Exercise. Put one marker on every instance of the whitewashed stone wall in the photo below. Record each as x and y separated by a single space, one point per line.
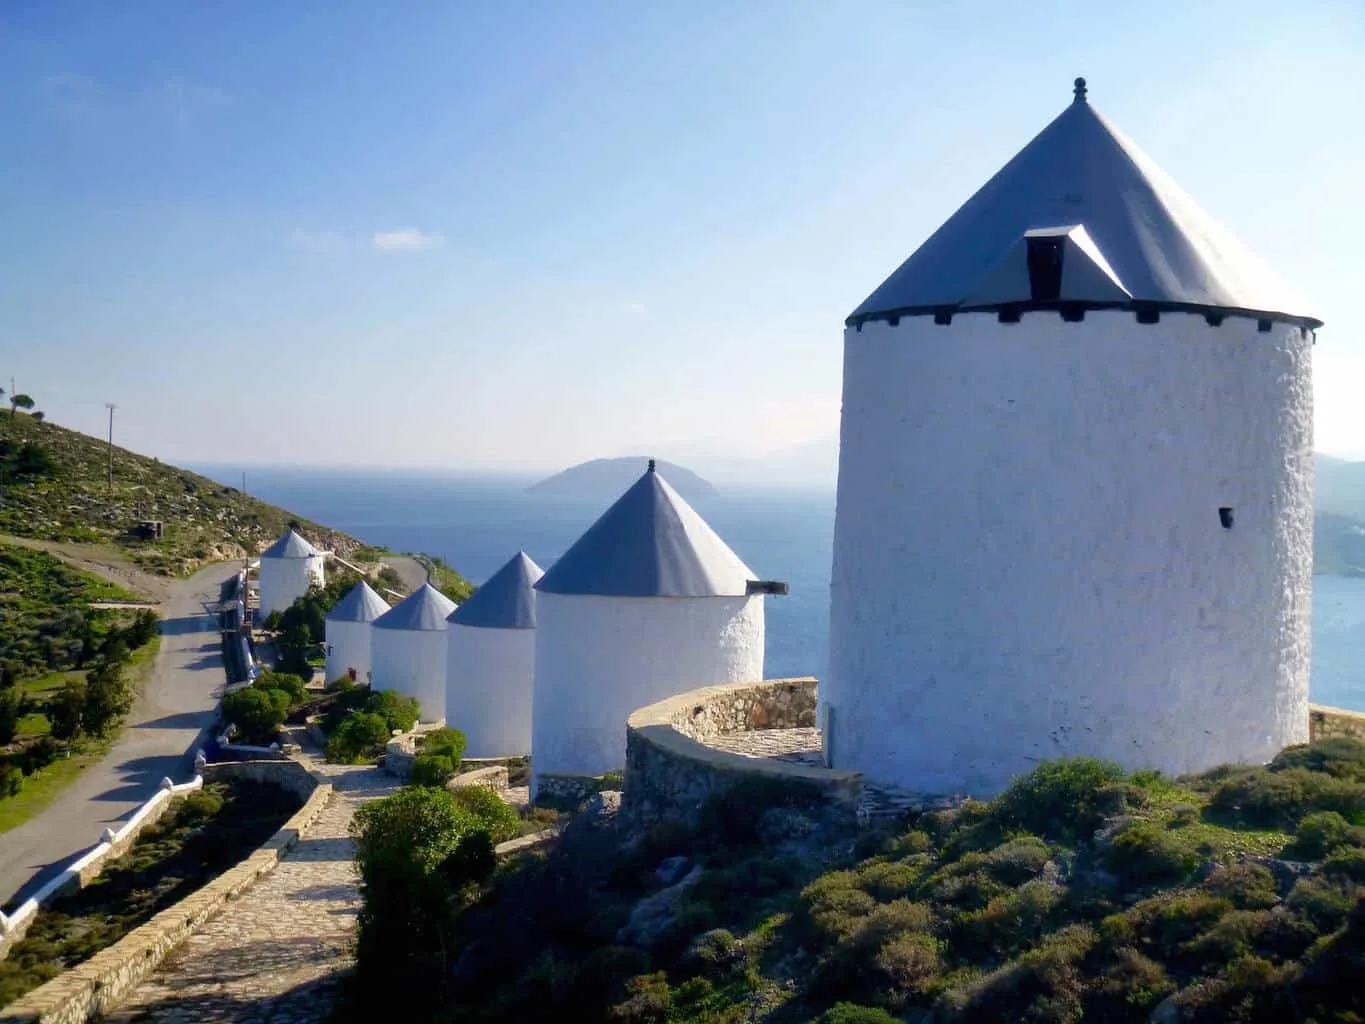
1029 561
600 658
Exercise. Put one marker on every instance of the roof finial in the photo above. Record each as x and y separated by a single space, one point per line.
651 465
1079 90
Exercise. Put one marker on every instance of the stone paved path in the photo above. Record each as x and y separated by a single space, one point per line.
273 956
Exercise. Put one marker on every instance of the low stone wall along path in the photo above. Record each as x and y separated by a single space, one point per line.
274 955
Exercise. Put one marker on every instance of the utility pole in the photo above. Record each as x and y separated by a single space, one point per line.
111 407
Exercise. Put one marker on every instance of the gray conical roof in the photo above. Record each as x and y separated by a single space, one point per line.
651 543
506 601
290 545
426 608
361 604
1142 241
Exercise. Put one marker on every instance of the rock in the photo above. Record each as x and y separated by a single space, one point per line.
671 870
595 825
1167 1012
650 918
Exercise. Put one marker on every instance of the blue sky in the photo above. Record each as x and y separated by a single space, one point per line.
517 235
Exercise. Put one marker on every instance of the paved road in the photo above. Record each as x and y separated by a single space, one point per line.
178 702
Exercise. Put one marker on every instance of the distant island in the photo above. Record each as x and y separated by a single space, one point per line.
607 478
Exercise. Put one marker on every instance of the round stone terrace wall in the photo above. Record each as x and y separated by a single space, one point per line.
671 772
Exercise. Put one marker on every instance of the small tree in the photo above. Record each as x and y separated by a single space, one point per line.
20 401
66 711
256 713
359 737
285 682
108 698
11 707
38 416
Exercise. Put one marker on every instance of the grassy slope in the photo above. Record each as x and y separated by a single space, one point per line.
1081 894
204 520
47 783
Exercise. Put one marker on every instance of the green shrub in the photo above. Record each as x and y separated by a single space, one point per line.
38 755
647 1001
66 710
731 816
1127 988
1042 985
1245 886
1341 756
891 949
1248 989
286 682
431 770
1346 863
11 710
490 810
1168 921
1143 853
1009 923
445 742
1324 901
1017 860
398 712
361 736
1280 799
1318 835
852 1013
832 906
11 779
716 955
108 697
1063 800
416 851
257 714
888 880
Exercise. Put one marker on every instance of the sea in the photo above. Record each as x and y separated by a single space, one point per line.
475 523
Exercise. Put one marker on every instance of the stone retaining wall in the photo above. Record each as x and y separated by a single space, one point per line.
1324 722
91 990
493 777
670 775
568 791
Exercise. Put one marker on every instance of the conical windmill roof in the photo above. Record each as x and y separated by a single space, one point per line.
506 601
426 608
1133 238
651 543
361 604
290 545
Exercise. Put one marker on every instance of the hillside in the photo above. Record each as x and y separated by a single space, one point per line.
605 479
1082 893
55 489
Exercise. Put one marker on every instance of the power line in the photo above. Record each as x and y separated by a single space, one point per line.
111 407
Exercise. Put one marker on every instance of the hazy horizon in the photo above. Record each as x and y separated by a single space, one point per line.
487 238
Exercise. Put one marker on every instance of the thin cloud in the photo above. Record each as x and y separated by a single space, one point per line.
187 100
326 243
405 240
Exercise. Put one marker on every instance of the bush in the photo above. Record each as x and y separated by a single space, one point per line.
66 710
11 779
398 712
490 810
256 713
1341 756
11 710
647 1001
431 770
1318 835
1127 989
730 817
1063 800
1280 799
445 743
416 851
38 755
1323 901
361 736
852 1013
1245 886
108 697
1143 853
716 955
1347 863
287 682
1042 986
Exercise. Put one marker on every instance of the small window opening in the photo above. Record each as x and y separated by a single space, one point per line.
943 317
1045 269
1225 517
1008 316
